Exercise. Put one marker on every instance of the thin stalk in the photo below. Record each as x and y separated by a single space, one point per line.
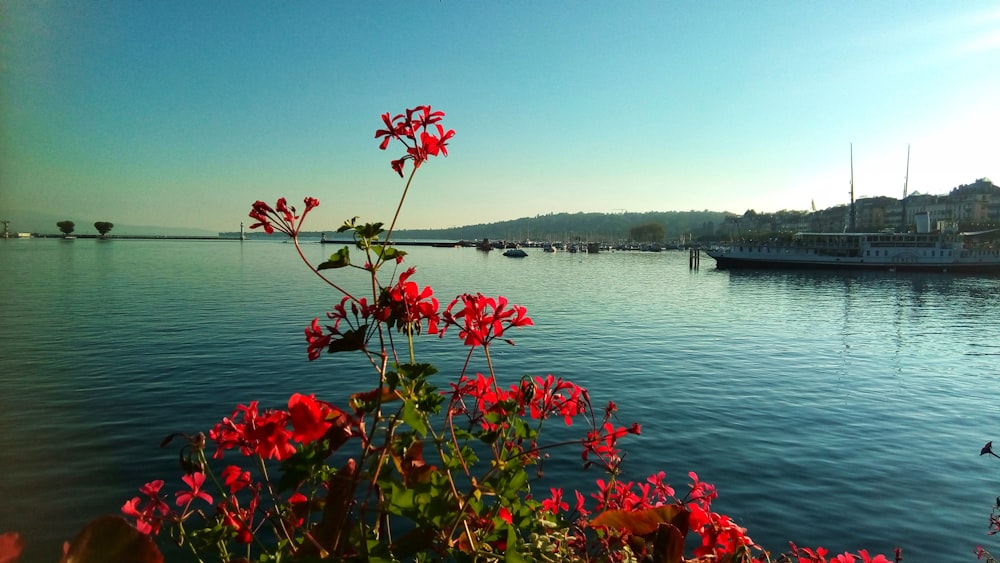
399 207
298 248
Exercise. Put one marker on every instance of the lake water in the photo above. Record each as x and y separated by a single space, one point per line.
842 410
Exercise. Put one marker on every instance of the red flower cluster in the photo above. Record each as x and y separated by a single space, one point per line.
404 305
539 397
268 435
150 512
483 319
806 555
411 130
407 305
603 443
719 533
281 216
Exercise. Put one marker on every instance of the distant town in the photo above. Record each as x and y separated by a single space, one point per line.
969 207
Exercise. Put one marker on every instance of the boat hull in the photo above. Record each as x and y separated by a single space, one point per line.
730 262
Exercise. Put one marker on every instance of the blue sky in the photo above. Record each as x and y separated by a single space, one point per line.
183 113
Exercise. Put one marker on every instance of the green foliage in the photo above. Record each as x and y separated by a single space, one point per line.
339 259
103 227
66 227
647 232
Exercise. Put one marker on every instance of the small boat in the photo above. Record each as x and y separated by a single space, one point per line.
514 253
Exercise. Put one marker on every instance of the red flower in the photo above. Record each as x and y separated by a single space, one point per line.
505 515
308 418
195 481
555 503
411 130
318 341
550 395
149 517
281 217
809 556
265 434
406 305
702 493
235 478
437 144
483 319
720 536
239 519
660 488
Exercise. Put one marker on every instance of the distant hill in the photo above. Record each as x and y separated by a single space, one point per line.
579 226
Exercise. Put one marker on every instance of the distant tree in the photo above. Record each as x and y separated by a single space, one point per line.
647 232
103 227
66 227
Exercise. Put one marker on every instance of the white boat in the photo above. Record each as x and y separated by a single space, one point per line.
928 252
943 250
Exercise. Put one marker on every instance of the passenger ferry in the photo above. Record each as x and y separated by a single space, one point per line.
922 251
943 250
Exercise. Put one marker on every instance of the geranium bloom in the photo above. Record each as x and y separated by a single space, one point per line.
660 488
150 516
505 515
553 395
308 418
483 319
407 305
239 519
318 341
603 443
720 535
195 481
702 493
281 216
411 129
265 434
555 503
235 478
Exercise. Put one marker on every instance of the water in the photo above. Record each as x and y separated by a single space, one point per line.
843 410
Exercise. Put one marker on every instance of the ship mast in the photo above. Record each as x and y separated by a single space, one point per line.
906 181
853 221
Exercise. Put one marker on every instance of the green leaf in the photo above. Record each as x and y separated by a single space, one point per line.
416 372
387 253
403 499
303 464
512 555
338 259
370 231
413 417
348 224
349 341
